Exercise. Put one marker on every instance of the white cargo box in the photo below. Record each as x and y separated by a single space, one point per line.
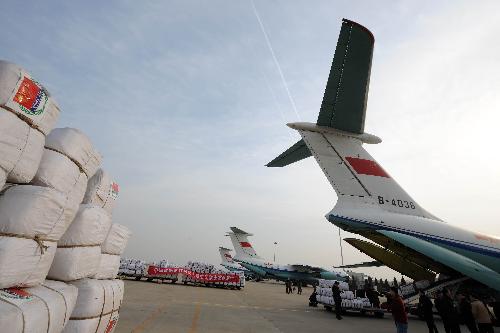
116 240
97 306
102 191
27 98
77 146
108 267
45 308
21 148
24 262
31 211
90 227
73 263
59 172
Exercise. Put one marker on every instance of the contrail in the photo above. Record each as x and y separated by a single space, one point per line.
268 42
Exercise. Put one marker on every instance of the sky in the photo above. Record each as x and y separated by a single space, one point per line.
187 102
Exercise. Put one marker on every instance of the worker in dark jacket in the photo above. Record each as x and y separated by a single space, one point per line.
425 309
312 299
449 313
337 299
372 295
465 312
398 311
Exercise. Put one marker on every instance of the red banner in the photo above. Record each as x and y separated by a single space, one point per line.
201 277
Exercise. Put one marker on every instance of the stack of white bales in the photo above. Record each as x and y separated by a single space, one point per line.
325 295
32 218
132 267
90 235
163 263
78 250
204 268
27 114
111 251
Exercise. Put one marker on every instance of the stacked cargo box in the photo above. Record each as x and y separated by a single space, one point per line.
45 230
33 217
324 295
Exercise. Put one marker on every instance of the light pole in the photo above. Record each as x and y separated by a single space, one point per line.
275 246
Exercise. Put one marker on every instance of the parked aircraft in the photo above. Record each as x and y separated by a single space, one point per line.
402 234
228 262
248 258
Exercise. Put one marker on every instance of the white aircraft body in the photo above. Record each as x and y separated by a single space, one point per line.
402 234
248 258
228 262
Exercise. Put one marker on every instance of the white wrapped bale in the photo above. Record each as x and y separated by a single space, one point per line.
21 148
32 219
116 240
108 267
59 172
102 191
34 211
45 308
24 262
77 146
79 249
97 306
27 98
73 263
89 228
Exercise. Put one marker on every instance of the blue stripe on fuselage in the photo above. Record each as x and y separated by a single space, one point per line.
450 242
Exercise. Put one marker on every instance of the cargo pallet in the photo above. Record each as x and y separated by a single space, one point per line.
211 285
376 312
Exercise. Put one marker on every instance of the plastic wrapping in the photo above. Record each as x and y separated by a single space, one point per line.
24 262
97 306
34 211
73 263
90 227
108 267
102 191
45 308
3 177
27 98
77 146
59 172
116 240
21 148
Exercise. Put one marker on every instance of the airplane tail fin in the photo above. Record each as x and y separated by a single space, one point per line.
241 245
336 139
225 255
346 93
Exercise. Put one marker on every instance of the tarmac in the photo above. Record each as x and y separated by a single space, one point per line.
259 307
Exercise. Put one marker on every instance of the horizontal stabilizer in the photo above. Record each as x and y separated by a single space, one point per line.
295 153
458 262
374 263
239 231
392 260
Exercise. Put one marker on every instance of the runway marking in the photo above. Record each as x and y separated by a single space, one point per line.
197 303
149 320
194 322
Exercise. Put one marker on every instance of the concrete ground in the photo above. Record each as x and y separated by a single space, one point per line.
261 307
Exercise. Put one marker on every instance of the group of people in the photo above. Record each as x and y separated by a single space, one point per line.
471 312
290 287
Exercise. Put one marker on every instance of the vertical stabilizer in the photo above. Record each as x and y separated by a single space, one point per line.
225 255
241 245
